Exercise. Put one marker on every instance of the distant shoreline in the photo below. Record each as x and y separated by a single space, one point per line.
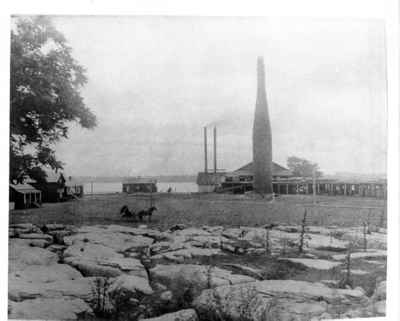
160 179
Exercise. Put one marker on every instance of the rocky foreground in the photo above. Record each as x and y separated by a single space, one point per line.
68 273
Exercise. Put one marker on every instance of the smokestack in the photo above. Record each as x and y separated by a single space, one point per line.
215 150
262 137
205 151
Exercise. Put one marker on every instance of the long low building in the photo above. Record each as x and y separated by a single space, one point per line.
284 182
139 185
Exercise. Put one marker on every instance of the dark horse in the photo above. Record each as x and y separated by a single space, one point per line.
148 212
125 212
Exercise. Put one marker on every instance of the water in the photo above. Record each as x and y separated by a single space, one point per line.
116 187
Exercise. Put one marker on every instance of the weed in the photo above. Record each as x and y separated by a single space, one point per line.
365 232
347 281
100 303
267 242
114 305
382 218
303 231
183 292
243 298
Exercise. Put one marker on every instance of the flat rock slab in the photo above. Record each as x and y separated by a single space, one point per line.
36 236
144 231
25 228
32 242
96 252
21 256
200 276
53 227
380 292
164 247
356 272
49 309
275 300
374 262
187 253
45 274
375 240
82 288
247 270
192 231
314 263
256 237
308 290
360 255
380 307
182 315
99 260
131 284
121 242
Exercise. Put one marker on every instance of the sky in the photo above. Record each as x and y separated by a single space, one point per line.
155 81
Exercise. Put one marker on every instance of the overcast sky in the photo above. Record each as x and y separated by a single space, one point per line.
154 82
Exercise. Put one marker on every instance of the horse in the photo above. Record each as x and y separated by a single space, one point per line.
126 213
148 212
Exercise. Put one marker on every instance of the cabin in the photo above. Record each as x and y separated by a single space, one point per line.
210 181
73 188
25 196
139 185
53 188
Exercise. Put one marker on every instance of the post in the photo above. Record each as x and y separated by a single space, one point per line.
91 188
151 195
287 188
215 159
215 150
313 186
205 151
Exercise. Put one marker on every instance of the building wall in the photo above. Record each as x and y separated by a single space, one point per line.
51 192
139 188
206 188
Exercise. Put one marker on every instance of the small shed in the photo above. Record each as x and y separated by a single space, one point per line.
53 187
73 188
25 196
139 185
208 182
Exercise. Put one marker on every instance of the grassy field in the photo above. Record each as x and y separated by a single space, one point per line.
209 209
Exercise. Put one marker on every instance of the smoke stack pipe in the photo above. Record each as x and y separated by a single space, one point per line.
262 137
205 150
215 150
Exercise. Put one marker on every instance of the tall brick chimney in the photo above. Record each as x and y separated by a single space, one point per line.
262 137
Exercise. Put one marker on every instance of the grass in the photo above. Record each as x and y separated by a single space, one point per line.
206 209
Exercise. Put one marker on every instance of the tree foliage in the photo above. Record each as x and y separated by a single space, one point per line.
302 167
45 95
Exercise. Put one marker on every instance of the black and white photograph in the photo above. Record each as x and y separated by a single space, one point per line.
197 168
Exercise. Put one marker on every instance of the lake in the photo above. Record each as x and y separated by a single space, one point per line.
116 187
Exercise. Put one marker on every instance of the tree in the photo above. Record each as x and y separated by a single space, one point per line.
45 96
302 167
